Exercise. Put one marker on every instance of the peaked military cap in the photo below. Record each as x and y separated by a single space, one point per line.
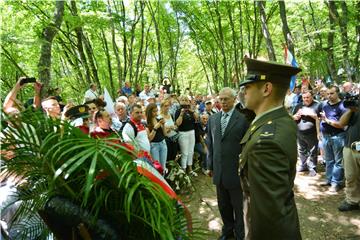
267 71
77 112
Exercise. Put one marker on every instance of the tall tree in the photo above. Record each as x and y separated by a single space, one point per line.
285 28
114 45
108 60
266 33
357 37
342 22
330 45
80 43
158 39
234 42
47 37
141 44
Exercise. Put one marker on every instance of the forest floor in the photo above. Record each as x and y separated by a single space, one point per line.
317 209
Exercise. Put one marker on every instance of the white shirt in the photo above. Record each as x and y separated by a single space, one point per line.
144 96
90 95
169 123
141 140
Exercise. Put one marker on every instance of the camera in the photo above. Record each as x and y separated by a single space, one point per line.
27 80
351 100
185 107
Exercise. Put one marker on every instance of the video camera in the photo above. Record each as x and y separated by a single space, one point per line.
352 100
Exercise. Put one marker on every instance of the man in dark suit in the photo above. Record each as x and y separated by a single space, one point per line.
225 131
268 159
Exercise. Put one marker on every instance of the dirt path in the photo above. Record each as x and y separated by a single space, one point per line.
318 214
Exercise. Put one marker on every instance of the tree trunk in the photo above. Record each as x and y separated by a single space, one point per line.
330 47
158 38
320 45
285 28
345 40
248 29
222 46
241 37
143 62
133 27
255 22
235 42
115 47
108 61
307 35
138 60
266 33
173 79
342 22
79 44
91 57
48 35
73 62
357 52
124 41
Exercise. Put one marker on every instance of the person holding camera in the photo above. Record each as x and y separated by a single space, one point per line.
186 118
12 104
306 118
172 135
156 134
351 155
333 137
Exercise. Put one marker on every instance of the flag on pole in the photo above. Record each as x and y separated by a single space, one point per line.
290 59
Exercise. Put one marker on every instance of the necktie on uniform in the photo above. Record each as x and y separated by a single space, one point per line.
224 123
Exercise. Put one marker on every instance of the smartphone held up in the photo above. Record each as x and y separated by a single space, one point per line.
27 80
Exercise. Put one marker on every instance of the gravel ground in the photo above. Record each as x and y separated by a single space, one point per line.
317 207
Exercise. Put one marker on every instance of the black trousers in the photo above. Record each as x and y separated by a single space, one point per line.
230 202
308 150
173 148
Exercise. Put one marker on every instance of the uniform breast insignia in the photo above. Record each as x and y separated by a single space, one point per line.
267 131
252 128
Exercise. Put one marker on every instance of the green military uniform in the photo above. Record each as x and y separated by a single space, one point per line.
267 167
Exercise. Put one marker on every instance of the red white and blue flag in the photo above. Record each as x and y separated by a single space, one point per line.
290 59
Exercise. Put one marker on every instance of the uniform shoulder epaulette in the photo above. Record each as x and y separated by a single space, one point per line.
267 130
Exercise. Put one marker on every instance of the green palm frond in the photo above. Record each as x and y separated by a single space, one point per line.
30 227
56 159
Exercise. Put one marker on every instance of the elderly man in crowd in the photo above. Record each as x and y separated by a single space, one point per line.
307 119
225 131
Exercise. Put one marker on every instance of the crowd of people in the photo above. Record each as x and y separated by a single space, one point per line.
169 126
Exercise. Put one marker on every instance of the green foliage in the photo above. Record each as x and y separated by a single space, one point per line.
204 48
55 159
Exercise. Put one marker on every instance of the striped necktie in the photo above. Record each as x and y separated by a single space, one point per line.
224 122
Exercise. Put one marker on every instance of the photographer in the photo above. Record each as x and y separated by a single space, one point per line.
185 120
156 134
351 154
12 104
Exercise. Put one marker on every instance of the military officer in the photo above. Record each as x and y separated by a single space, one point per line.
268 161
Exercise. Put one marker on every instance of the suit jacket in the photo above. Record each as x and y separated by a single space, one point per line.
267 167
223 151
